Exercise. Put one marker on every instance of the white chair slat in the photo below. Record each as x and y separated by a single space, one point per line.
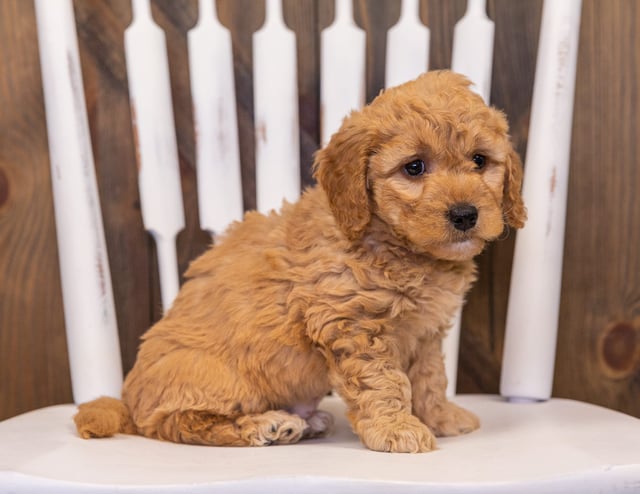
90 319
342 69
407 46
276 111
216 125
473 47
157 149
534 298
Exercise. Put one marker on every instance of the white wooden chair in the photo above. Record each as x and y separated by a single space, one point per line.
537 445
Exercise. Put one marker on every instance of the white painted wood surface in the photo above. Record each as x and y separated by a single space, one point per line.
156 146
534 298
276 111
342 69
538 448
473 47
473 57
215 120
90 319
407 46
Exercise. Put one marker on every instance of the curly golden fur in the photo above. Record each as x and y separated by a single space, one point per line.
352 288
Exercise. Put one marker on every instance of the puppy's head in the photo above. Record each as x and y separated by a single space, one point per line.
431 161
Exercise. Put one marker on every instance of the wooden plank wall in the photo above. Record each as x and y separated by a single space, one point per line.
599 341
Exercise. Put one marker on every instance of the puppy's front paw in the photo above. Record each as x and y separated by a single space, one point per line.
400 434
448 419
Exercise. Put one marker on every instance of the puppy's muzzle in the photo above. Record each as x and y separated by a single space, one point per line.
463 216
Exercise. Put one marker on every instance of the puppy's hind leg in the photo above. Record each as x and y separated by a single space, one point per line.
272 427
320 424
203 427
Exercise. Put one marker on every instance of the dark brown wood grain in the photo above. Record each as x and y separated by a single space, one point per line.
601 284
33 359
601 275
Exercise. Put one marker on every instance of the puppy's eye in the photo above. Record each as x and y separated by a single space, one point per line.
415 168
480 161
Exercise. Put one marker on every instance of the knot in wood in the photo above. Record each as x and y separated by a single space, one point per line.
619 350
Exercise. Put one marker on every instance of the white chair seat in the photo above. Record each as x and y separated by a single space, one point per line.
554 446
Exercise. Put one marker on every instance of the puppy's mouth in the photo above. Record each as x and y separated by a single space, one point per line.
459 249
466 243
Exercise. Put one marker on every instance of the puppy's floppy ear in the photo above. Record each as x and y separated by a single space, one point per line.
515 211
341 170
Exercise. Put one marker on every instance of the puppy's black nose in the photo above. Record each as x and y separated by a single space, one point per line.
463 217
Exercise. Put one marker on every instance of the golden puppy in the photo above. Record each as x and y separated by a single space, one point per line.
352 288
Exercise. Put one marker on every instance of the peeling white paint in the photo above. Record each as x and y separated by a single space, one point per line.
534 298
90 319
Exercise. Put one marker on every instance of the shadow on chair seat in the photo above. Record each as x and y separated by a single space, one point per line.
554 446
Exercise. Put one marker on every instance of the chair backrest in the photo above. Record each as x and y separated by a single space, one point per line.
89 309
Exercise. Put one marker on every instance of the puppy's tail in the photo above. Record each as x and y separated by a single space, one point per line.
103 417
